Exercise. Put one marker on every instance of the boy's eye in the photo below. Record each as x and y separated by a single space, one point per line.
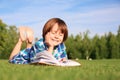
61 34
53 32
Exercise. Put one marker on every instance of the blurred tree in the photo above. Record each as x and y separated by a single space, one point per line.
113 46
86 45
11 39
3 36
95 49
118 40
103 53
70 44
78 45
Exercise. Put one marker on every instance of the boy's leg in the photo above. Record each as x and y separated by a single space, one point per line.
26 34
16 49
22 33
30 34
30 37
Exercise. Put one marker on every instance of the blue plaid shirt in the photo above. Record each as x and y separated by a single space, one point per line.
28 55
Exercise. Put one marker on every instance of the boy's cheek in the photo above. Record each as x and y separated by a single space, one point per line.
47 37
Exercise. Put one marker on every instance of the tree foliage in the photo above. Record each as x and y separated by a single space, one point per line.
8 38
98 47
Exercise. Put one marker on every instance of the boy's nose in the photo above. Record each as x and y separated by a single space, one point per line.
56 35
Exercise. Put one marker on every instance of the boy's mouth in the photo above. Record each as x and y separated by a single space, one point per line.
55 40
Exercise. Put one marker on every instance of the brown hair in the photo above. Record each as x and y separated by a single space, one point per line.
61 24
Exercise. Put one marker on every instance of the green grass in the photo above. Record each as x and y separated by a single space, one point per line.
90 70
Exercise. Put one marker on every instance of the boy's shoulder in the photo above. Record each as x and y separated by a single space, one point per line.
61 46
40 41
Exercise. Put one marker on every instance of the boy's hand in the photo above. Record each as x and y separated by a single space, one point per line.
48 40
49 43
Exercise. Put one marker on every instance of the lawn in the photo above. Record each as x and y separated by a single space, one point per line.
90 70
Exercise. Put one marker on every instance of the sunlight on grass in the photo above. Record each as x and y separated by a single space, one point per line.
90 70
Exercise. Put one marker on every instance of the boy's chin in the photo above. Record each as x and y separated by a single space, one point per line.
56 44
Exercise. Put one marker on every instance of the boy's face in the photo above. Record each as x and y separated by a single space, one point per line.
55 36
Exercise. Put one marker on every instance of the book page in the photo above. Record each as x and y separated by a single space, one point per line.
48 59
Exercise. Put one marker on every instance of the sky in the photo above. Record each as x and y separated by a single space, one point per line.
97 16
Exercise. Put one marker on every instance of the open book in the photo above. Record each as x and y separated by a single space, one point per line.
47 59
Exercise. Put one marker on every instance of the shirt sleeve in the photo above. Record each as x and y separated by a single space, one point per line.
64 53
39 46
36 48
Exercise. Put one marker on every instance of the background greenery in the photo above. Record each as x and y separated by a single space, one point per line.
80 46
